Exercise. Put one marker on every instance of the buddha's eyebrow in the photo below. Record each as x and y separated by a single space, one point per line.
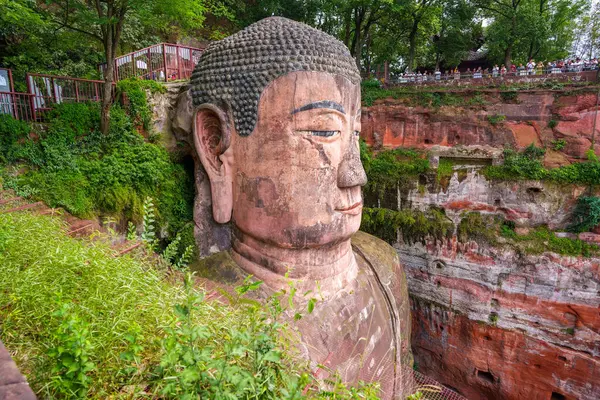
321 104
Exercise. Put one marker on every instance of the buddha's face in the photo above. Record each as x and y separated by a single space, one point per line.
295 181
297 178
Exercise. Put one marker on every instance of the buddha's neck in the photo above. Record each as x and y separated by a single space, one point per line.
331 265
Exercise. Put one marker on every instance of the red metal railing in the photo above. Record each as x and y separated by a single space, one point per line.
47 90
161 62
18 105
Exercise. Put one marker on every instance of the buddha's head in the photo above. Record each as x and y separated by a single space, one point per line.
277 117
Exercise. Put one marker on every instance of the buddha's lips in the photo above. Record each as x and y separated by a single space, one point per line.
354 209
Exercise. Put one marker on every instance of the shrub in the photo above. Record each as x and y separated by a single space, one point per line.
559 144
586 214
389 167
510 95
496 119
552 123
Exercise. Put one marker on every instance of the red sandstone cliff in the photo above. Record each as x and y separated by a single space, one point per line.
489 321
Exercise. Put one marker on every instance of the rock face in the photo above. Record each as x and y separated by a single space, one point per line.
496 323
539 118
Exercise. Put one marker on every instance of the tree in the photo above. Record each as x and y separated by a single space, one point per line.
105 20
542 29
460 31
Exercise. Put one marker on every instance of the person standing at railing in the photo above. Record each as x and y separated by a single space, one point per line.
531 67
438 75
513 69
503 70
539 69
495 71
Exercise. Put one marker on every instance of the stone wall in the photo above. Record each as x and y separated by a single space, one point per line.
493 322
13 385
389 123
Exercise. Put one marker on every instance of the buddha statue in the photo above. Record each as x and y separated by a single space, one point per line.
276 122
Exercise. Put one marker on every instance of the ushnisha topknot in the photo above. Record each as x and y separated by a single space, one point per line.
233 72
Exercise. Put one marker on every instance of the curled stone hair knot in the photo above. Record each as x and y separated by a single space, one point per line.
233 72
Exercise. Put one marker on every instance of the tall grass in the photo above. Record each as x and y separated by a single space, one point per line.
81 322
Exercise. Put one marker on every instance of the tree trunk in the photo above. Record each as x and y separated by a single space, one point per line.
412 40
107 86
508 56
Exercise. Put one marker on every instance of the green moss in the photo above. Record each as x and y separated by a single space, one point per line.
387 169
496 119
477 227
414 225
509 96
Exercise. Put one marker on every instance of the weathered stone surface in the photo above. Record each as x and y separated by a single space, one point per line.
13 385
529 325
527 203
388 124
279 152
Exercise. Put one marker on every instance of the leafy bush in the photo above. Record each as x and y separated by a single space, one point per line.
559 144
586 214
510 95
14 139
135 100
477 227
528 165
75 167
496 119
552 123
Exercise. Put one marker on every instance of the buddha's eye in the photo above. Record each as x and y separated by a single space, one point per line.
357 133
324 133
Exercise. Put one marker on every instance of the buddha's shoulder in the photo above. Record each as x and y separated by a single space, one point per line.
380 256
219 267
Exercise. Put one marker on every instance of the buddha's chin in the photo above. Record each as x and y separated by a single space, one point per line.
322 235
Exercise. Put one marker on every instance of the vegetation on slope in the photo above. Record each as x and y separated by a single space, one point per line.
84 323
70 164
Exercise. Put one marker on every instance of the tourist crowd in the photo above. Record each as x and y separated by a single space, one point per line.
531 68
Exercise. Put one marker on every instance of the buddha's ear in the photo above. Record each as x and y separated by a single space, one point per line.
212 135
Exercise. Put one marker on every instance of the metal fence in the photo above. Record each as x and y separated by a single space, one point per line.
474 76
43 91
161 62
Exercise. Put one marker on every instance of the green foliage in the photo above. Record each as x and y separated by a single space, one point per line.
133 93
586 214
552 123
496 119
493 318
542 239
413 225
118 326
148 228
72 165
478 227
528 165
558 144
445 169
71 354
509 96
15 143
387 168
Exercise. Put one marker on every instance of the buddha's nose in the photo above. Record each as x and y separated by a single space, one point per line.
351 172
